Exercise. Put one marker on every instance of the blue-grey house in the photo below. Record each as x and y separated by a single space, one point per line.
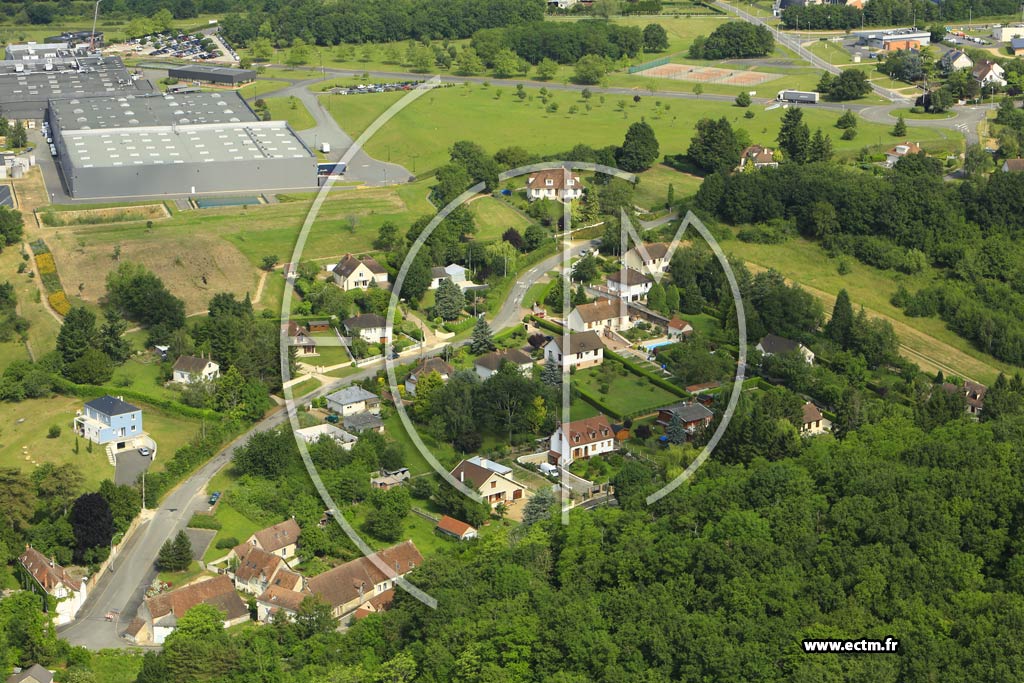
109 420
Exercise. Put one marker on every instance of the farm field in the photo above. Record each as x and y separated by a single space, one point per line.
422 128
37 415
806 263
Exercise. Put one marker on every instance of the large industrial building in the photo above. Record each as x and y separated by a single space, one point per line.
55 52
187 143
27 86
208 73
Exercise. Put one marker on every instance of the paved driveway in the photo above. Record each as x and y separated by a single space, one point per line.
130 465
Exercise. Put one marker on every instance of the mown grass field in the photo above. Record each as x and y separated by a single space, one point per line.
494 217
424 128
808 264
627 393
292 110
652 190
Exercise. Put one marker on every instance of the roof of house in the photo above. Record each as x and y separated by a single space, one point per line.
191 364
538 179
438 271
454 526
351 394
33 674
377 603
954 55
904 149
655 250
284 598
365 321
48 574
108 405
679 324
218 591
602 309
811 413
689 412
349 263
1014 164
493 360
758 154
296 330
628 276
432 364
474 473
254 562
503 470
288 579
349 581
984 67
975 393
362 421
772 343
579 342
588 430
278 536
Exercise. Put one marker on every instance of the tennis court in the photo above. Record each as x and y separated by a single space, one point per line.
708 74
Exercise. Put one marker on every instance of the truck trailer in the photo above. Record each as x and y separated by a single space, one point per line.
800 96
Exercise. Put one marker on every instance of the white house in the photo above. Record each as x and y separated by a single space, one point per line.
353 273
453 271
353 399
988 72
586 350
579 439
603 314
312 434
900 151
494 484
189 369
772 344
425 367
489 363
554 183
629 284
371 327
956 60
49 577
760 157
655 260
813 422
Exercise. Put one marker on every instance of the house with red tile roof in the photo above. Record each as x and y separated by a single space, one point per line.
281 539
554 183
456 528
581 439
350 585
49 577
161 612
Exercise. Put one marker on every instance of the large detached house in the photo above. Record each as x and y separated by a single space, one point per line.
189 370
49 577
554 183
758 156
348 586
353 399
629 284
425 367
586 350
109 420
492 481
581 439
160 613
489 363
282 539
772 344
371 327
654 261
353 273
603 314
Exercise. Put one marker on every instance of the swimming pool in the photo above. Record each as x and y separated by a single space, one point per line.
657 345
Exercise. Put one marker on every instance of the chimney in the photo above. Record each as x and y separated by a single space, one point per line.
462 475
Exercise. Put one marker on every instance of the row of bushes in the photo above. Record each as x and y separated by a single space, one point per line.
91 391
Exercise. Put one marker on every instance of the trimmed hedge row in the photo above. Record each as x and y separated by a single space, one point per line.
90 391
460 326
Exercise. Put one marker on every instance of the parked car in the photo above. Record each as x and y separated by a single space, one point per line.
214 497
145 452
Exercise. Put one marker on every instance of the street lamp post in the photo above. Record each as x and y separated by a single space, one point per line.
95 16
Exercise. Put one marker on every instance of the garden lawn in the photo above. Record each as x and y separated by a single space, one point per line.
142 375
233 525
419 529
627 393
305 386
652 190
116 666
494 217
179 579
292 110
424 128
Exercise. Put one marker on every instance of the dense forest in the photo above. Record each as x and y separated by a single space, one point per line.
892 13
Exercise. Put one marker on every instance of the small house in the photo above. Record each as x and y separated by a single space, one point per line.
33 674
253 569
495 485
161 612
109 420
298 336
453 271
362 422
372 328
629 284
389 480
603 314
189 370
989 73
955 60
896 153
554 183
678 328
282 539
813 422
313 434
278 599
585 350
424 367
651 258
49 577
975 395
353 399
758 156
489 363
1013 165
772 344
581 439
354 273
693 416
455 528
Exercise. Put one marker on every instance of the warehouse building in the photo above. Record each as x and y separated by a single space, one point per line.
207 73
54 52
27 87
189 143
77 38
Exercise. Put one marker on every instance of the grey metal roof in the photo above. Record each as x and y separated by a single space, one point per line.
362 421
772 343
689 412
201 70
108 405
149 109
5 196
30 82
351 394
197 143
